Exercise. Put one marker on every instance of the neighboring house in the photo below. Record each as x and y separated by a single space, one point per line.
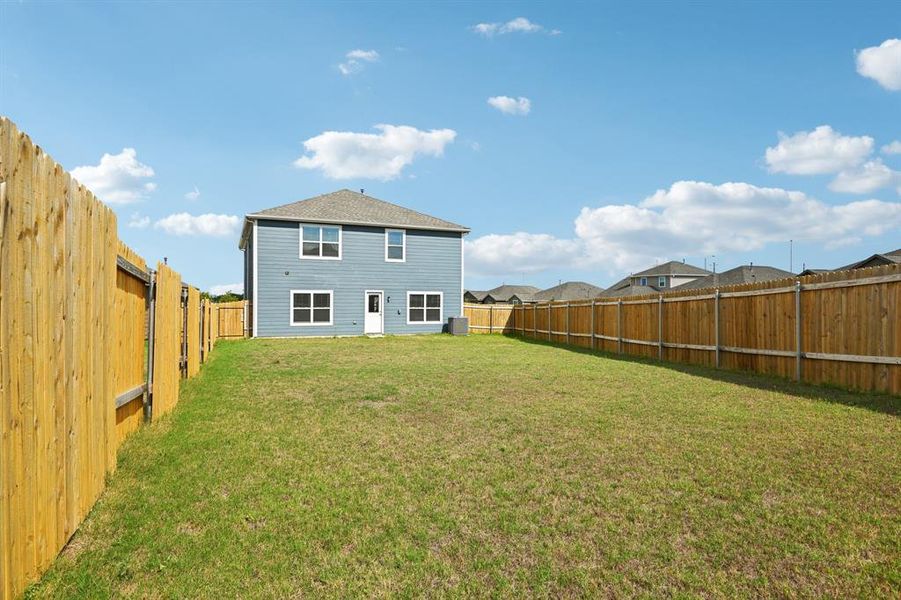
736 276
568 291
660 278
474 296
876 260
509 294
348 264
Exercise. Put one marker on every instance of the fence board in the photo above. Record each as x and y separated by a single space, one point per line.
167 340
130 356
192 333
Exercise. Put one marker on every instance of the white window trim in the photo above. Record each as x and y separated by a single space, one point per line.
440 320
331 308
320 225
661 281
404 245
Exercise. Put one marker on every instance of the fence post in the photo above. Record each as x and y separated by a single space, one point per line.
490 318
619 325
202 341
592 323
151 341
798 331
183 361
660 328
548 321
716 327
567 323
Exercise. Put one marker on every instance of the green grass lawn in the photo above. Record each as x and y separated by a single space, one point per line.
492 466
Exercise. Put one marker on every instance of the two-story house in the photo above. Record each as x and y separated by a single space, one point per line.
346 263
660 278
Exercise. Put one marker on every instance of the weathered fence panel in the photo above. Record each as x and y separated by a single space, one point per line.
841 328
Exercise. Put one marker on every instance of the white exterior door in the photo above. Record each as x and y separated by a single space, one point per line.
374 313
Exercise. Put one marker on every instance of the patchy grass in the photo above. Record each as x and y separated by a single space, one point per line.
490 466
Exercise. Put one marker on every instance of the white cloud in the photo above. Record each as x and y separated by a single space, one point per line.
893 148
356 60
511 106
691 218
218 290
882 63
517 25
208 224
519 252
383 155
867 178
118 179
193 194
139 222
822 150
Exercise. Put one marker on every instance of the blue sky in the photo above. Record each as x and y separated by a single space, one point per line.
620 134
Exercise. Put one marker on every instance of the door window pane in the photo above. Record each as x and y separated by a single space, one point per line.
374 303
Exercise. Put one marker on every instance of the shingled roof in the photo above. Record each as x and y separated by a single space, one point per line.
673 267
346 207
736 276
570 290
503 293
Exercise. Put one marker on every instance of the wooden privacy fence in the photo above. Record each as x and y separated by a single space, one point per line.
91 346
840 328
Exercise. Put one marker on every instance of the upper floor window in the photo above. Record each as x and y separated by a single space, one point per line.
320 241
643 281
661 282
395 245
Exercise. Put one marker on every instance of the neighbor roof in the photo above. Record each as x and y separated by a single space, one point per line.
346 207
503 293
877 259
631 290
736 276
570 290
672 267
479 295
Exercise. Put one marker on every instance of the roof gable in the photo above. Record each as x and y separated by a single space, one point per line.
570 290
672 267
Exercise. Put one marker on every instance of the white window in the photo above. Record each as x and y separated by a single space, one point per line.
643 281
395 245
320 241
424 307
661 282
311 307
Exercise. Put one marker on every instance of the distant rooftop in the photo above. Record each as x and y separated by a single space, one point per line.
736 276
672 267
569 290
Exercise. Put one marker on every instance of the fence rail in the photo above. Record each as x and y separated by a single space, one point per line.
91 343
840 328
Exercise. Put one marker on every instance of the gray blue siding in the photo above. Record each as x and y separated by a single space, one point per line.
433 263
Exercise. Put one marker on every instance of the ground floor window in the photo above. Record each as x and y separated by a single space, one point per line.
424 307
311 307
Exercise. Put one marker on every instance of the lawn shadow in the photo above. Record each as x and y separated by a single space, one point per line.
875 401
